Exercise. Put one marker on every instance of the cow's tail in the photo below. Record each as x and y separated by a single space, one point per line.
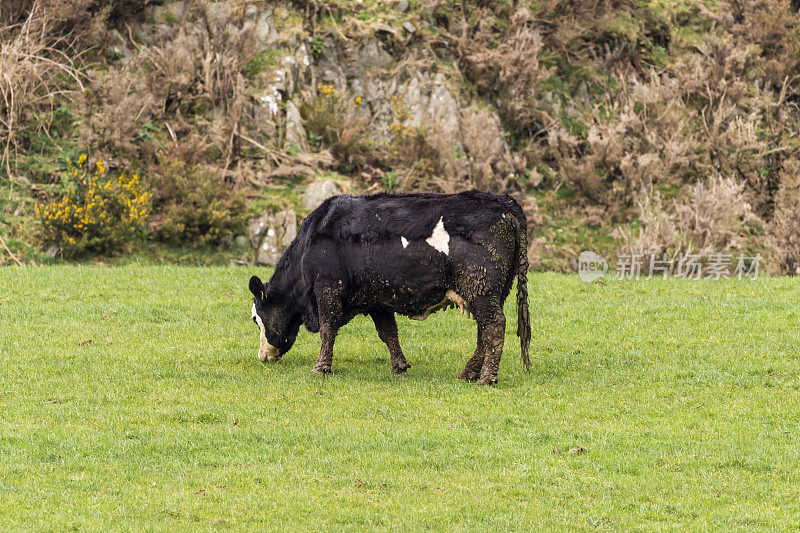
523 313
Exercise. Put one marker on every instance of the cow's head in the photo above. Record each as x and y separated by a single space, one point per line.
273 315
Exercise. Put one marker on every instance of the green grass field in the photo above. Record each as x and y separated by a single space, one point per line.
131 398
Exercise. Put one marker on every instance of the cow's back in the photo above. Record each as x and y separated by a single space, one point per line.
403 252
412 215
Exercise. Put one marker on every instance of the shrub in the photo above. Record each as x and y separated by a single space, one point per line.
192 205
783 231
716 218
98 213
510 71
35 77
336 121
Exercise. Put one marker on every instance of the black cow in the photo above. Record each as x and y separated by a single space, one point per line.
411 254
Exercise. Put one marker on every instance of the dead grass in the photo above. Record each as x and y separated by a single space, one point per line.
713 218
35 73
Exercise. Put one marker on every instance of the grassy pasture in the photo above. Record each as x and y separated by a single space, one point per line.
131 398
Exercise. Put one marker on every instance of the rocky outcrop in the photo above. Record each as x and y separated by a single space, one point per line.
271 233
296 137
419 98
468 140
318 191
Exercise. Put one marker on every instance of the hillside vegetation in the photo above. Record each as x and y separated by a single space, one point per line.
621 126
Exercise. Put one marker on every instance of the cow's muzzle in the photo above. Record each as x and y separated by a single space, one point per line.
268 352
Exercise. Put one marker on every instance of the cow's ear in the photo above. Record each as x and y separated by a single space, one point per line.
257 288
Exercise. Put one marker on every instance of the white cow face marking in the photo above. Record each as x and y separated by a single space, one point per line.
404 242
440 239
266 351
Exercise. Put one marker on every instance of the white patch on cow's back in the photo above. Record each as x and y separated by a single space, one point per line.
404 242
440 239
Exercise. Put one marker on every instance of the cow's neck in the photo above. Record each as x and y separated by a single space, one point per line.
288 280
288 283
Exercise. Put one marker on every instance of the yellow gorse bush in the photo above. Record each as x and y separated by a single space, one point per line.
327 90
98 213
337 121
401 112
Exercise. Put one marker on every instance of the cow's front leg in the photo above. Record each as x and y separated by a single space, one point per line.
472 370
493 331
325 360
329 304
387 331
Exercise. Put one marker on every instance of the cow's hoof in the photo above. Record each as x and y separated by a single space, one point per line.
468 375
321 369
401 368
487 381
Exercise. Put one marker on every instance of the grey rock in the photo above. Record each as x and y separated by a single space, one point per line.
546 102
240 240
401 6
331 66
289 227
194 30
432 103
434 108
150 34
277 231
262 110
410 28
264 33
251 11
413 98
52 251
117 44
122 53
372 55
301 66
582 94
443 108
319 191
294 72
482 133
295 132
258 227
283 82
217 12
167 14
383 28
268 253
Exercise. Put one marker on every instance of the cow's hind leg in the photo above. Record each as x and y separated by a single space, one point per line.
472 370
387 331
492 325
329 304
